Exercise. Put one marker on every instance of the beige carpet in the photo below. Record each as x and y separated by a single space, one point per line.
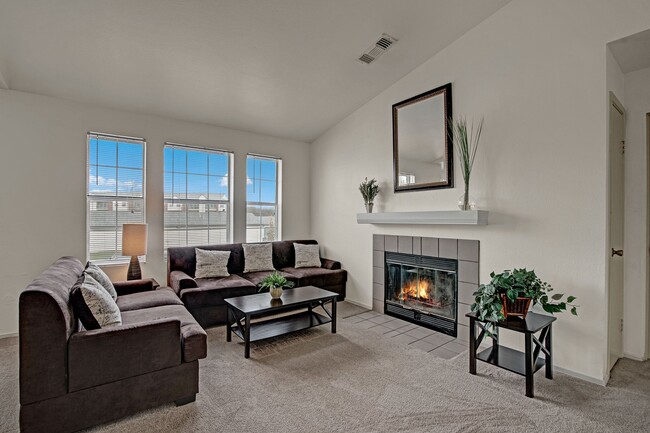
359 381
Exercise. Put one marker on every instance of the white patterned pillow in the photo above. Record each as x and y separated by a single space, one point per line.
93 305
211 264
258 257
307 256
100 276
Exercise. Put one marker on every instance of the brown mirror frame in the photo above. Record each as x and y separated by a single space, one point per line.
449 147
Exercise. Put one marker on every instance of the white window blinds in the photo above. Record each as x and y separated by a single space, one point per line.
115 193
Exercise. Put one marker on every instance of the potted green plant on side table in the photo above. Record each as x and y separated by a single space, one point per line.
275 283
510 293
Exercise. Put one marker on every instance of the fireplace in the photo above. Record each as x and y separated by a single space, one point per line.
422 290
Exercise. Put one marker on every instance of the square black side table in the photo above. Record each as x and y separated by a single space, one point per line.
526 363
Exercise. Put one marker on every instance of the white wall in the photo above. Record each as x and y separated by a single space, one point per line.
42 183
537 72
637 105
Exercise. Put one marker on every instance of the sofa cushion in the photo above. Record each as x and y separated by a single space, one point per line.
100 276
152 298
193 337
92 304
319 277
258 257
211 264
257 277
284 252
307 256
213 291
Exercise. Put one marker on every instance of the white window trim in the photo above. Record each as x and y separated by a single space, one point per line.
122 260
229 202
278 190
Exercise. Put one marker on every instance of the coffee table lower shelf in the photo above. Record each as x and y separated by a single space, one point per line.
282 325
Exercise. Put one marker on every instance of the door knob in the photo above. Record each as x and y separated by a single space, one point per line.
617 252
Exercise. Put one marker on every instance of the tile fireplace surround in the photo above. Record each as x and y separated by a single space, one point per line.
465 251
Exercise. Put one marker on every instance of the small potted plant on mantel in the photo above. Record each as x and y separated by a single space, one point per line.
369 190
275 283
510 293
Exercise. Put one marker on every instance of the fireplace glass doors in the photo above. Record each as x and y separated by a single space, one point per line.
422 289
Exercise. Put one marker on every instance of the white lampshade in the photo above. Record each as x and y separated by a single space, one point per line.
134 239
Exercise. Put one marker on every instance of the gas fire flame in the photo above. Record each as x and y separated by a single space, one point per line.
419 290
416 289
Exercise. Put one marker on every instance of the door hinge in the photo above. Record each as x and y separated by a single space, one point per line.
621 325
623 147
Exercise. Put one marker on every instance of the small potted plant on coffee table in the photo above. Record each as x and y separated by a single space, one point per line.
510 293
275 283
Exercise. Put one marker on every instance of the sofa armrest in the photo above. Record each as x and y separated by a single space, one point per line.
330 264
179 280
134 286
109 354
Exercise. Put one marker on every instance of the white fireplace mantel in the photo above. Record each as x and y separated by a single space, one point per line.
449 217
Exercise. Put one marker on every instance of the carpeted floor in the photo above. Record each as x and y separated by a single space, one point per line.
358 381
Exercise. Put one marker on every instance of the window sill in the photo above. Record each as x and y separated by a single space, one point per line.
111 263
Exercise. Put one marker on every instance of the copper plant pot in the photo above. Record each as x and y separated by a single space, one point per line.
517 308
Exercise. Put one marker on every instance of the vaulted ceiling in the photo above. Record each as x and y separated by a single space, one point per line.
286 68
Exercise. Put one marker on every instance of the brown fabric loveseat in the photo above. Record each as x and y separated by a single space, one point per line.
204 298
71 379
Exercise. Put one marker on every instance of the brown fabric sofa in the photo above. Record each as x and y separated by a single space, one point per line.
204 297
72 379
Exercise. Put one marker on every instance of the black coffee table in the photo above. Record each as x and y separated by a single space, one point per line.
242 309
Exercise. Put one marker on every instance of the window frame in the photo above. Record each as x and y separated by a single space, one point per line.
278 194
184 204
119 260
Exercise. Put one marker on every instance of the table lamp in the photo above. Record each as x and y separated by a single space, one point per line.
134 244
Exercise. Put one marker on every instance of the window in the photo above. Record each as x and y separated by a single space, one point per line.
115 193
197 196
263 186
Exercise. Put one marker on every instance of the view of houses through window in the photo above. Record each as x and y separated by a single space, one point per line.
115 193
197 196
263 175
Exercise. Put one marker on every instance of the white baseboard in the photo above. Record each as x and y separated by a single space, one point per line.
634 357
358 304
601 382
15 334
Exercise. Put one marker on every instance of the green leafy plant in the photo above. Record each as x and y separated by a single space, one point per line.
466 139
518 283
369 190
274 280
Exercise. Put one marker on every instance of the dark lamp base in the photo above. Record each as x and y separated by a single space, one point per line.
134 272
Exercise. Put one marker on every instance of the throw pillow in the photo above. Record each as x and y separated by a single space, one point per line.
307 256
93 305
258 257
100 276
211 264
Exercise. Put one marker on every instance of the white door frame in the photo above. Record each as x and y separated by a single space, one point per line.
612 100
647 278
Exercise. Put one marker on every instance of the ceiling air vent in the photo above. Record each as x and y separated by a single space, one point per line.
378 48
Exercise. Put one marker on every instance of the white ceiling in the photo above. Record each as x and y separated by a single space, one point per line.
285 68
632 53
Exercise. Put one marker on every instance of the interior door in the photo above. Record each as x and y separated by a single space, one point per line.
616 229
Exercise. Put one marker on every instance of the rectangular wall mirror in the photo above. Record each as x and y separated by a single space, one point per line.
422 146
